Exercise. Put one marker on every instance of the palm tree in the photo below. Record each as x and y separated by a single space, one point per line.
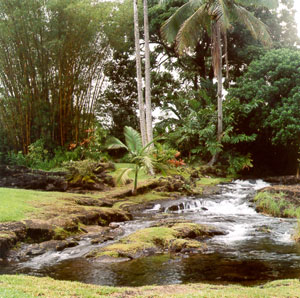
189 22
139 72
147 75
139 155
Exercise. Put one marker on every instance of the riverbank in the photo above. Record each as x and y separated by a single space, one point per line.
244 253
281 201
39 216
28 287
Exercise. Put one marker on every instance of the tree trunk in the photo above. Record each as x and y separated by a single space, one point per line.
139 72
220 86
217 65
147 76
134 190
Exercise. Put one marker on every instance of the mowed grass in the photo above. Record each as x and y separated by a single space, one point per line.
19 204
20 286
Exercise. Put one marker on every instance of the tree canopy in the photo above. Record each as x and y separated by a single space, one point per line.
68 80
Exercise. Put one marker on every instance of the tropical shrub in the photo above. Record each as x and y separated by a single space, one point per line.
139 156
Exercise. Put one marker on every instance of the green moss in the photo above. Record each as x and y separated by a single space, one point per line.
109 253
190 230
180 244
160 238
212 181
103 222
125 249
61 234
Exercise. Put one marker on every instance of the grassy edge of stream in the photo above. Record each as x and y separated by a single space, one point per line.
280 201
20 286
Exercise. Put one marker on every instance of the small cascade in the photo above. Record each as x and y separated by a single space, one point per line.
83 248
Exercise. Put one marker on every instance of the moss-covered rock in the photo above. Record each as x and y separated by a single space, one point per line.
176 237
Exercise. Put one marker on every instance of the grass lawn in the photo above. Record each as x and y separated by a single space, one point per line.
20 204
19 286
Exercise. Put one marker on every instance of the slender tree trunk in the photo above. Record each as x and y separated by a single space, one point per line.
220 86
134 190
217 64
147 75
139 72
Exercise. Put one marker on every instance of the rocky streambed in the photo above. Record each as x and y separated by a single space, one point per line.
217 238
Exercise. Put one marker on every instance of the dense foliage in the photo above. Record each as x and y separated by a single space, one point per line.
272 85
68 81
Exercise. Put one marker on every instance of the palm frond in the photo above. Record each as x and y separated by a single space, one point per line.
148 145
271 4
223 12
133 140
191 30
148 162
256 27
123 175
147 165
171 27
114 143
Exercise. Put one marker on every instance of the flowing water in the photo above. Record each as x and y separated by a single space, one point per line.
255 249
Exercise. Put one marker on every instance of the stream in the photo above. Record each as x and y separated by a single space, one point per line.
255 249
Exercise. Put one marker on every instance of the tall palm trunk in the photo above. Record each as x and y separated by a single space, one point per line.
147 75
139 73
217 65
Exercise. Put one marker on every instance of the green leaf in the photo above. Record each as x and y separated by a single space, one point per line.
133 140
114 143
123 176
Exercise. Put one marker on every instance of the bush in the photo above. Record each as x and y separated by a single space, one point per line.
81 172
39 157
162 155
238 162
